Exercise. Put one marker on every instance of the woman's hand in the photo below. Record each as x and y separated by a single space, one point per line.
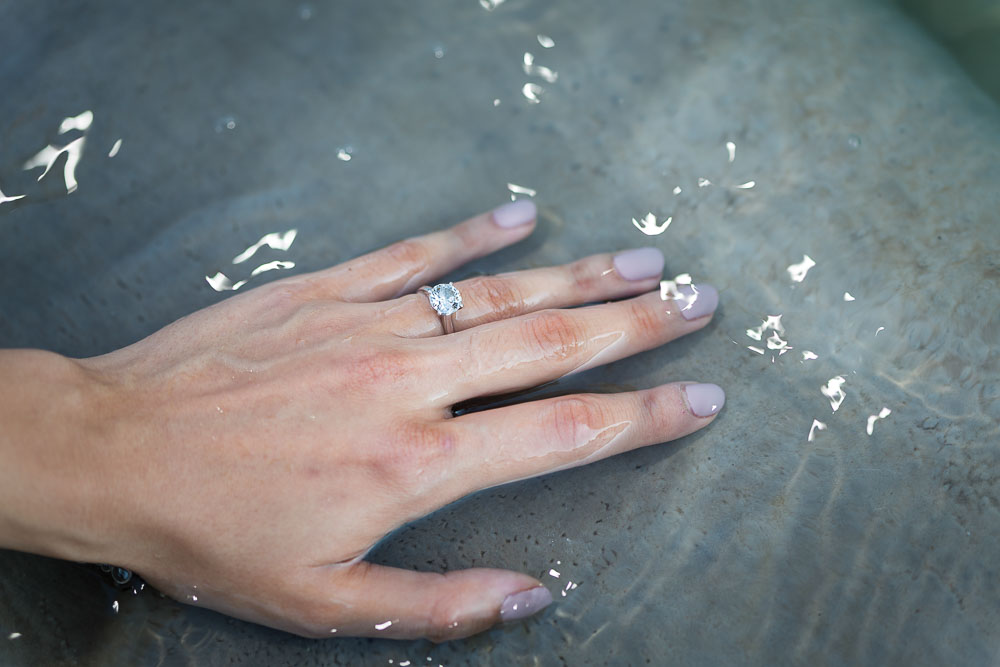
254 451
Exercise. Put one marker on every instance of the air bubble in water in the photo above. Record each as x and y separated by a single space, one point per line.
120 575
225 123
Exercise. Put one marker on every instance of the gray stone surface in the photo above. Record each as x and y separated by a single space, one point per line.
745 543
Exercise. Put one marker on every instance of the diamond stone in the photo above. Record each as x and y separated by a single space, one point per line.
445 298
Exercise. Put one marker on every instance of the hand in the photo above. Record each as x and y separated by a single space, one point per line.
257 449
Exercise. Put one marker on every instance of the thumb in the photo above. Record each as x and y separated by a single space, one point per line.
376 601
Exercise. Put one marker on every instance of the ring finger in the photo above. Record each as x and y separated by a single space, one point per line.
499 297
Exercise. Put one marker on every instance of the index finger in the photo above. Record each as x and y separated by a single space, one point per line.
528 439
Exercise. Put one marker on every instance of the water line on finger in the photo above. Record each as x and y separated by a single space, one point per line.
584 436
606 354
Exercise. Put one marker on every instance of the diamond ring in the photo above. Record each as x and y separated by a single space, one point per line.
446 300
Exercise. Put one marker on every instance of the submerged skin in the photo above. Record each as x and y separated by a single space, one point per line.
246 457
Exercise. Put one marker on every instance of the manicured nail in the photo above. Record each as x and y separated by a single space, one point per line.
704 399
516 213
525 603
639 263
697 300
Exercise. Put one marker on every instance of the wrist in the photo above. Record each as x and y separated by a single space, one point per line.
55 479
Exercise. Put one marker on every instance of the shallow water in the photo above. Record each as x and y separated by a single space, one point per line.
764 538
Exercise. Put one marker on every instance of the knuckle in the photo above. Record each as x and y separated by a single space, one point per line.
499 296
572 417
313 625
582 275
554 333
280 297
468 234
411 448
409 252
376 366
443 622
644 318
658 417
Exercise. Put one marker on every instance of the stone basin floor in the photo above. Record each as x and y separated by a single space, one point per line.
833 142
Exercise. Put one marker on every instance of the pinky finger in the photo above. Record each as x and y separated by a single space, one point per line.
404 266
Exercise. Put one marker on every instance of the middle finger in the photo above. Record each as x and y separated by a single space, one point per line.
529 350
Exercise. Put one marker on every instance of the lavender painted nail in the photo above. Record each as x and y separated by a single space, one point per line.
515 214
697 300
639 263
525 603
704 399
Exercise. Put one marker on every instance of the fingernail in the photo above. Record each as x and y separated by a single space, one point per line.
639 263
697 300
516 213
525 603
704 399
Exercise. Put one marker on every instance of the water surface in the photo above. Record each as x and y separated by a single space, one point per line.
844 508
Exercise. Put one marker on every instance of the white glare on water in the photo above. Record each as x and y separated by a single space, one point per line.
74 150
516 189
533 92
4 197
703 182
731 149
546 41
798 271
14 635
344 153
221 283
883 413
834 391
490 5
275 240
530 68
848 297
677 190
114 149
496 101
48 156
81 122
817 425
649 227
772 322
809 356
669 289
271 266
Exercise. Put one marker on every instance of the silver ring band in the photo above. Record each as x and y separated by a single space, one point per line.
446 300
